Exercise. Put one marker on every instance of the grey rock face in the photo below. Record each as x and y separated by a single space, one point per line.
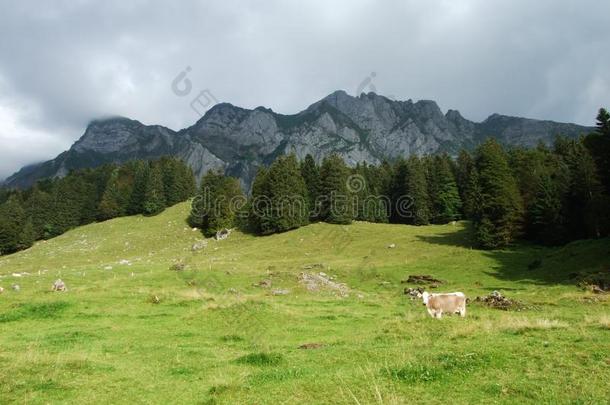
367 128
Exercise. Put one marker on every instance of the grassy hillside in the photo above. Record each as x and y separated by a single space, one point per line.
131 330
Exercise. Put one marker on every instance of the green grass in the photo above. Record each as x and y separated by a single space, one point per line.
214 336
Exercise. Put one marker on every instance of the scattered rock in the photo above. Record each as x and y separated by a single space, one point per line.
1 290
317 282
309 346
125 262
199 244
421 279
232 290
280 292
391 246
498 301
154 299
17 275
108 268
16 287
414 293
59 285
223 234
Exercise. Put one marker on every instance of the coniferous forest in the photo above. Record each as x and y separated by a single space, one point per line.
547 195
53 206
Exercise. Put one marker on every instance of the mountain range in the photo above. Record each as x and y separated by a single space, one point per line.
368 128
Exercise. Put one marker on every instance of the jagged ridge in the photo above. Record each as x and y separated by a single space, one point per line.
365 128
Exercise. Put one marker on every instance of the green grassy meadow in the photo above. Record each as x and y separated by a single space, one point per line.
139 332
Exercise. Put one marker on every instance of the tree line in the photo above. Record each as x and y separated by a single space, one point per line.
53 206
549 195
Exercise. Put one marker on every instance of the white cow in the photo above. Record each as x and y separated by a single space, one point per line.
448 303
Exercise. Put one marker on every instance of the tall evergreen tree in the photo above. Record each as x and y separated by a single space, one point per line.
417 189
585 204
311 175
138 194
466 178
154 196
68 201
598 144
258 204
12 225
446 199
214 208
287 194
39 206
401 206
110 205
336 207
498 217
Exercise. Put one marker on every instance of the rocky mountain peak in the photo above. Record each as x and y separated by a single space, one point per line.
368 128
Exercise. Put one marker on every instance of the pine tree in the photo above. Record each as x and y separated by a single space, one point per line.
417 189
68 197
402 202
39 208
138 194
466 179
12 222
336 205
498 217
154 196
214 208
446 200
598 144
287 194
585 203
546 212
259 203
27 235
311 175
377 201
110 206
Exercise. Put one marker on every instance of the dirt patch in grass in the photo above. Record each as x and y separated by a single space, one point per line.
421 279
309 346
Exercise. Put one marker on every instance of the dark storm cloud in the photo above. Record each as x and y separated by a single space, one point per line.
64 63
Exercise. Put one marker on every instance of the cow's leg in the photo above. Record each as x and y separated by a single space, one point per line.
439 314
431 312
463 312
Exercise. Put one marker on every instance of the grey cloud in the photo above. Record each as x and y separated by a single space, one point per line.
64 63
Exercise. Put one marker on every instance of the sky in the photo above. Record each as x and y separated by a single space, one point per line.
65 63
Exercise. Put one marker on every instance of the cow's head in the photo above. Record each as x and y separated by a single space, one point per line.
425 296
